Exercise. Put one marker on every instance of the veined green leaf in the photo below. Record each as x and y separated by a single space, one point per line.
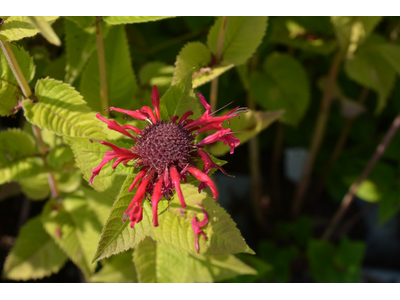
114 20
45 29
242 37
75 229
34 255
61 110
196 55
83 22
156 262
118 269
21 168
121 81
179 99
16 28
9 88
283 86
249 125
59 156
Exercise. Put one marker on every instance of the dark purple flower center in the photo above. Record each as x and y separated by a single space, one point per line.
165 144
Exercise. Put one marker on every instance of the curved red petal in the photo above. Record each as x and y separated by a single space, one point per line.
204 178
155 99
155 198
175 178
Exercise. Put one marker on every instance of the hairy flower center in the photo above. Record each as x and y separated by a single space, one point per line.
165 144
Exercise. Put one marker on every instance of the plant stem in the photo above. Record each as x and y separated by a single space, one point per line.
102 68
318 134
23 84
338 147
218 55
348 198
276 158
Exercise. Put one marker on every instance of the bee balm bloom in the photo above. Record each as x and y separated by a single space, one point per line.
165 153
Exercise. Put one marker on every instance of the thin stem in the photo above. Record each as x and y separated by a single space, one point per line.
102 68
337 151
348 198
276 158
218 56
23 84
319 132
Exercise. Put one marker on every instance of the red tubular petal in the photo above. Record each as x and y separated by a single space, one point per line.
196 227
133 128
175 178
137 178
134 114
214 137
155 198
208 163
174 118
185 115
204 102
155 99
204 178
113 125
136 214
141 190
110 155
149 111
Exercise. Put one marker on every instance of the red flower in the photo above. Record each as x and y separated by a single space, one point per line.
165 153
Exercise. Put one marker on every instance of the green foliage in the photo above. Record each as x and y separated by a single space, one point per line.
83 22
115 20
9 91
284 85
156 73
45 29
16 28
34 255
156 262
59 156
121 81
336 264
389 204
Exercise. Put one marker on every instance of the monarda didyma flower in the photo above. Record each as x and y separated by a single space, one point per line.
165 153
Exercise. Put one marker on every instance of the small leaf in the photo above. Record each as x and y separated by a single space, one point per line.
75 229
83 22
45 29
16 28
196 55
156 73
121 81
68 181
179 99
9 87
242 37
36 187
34 255
249 125
283 86
114 20
118 269
61 110
59 156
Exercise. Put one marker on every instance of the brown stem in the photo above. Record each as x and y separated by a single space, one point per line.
102 68
348 198
276 158
318 134
338 148
218 55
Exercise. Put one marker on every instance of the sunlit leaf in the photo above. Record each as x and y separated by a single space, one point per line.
45 29
83 22
59 156
114 20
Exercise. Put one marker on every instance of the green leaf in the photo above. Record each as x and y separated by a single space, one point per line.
80 45
121 81
196 55
83 22
9 88
34 255
353 31
297 32
179 99
59 156
389 206
61 110
119 269
242 37
68 181
283 86
45 29
369 68
36 187
156 262
391 53
249 125
16 28
17 156
75 229
88 156
56 68
336 264
156 73
99 203
114 20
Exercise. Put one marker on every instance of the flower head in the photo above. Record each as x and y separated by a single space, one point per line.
165 152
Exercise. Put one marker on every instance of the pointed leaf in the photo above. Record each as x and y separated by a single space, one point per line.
121 81
99 203
34 255
242 37
61 110
283 86
75 229
114 20
144 257
45 29
196 55
16 28
83 22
